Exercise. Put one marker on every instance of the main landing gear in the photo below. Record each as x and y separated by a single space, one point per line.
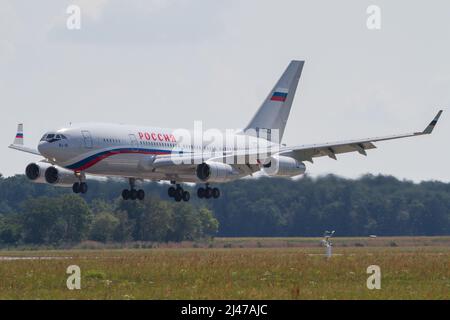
132 193
208 192
178 193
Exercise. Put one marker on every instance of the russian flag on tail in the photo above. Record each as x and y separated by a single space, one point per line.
279 95
19 135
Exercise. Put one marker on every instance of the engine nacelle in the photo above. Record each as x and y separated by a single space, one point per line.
281 166
36 171
60 177
215 172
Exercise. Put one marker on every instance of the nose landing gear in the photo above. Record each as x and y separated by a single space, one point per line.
80 187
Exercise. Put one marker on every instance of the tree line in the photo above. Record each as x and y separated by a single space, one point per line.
371 205
39 214
382 205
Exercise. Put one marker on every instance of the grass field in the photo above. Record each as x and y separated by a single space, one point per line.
290 268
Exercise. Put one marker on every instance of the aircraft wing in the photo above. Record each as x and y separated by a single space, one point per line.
24 149
18 142
247 160
308 152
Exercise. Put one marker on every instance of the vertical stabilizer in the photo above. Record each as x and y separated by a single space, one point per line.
18 140
274 112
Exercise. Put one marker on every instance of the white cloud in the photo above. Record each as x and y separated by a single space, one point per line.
9 29
92 8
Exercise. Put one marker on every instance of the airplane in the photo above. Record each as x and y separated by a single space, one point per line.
139 153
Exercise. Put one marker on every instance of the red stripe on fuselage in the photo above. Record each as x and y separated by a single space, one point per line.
113 153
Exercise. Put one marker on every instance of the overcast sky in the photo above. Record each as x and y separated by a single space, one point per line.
171 62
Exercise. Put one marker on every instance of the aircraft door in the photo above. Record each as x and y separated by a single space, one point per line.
133 141
87 139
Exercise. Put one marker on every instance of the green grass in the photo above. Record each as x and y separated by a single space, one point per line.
421 272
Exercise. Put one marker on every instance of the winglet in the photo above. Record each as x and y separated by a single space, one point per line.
432 124
18 140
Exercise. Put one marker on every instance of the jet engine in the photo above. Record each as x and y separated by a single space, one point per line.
36 171
282 166
215 172
60 177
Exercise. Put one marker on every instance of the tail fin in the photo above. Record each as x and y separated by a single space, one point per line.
18 140
274 112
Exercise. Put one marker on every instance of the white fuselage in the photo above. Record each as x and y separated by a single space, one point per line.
129 151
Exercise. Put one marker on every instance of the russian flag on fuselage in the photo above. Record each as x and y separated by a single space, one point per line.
279 95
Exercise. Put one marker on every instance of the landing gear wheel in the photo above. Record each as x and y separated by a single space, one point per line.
132 193
208 193
186 196
141 194
179 192
171 192
215 193
201 193
83 187
76 187
126 194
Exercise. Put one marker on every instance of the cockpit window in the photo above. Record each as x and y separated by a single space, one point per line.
52 137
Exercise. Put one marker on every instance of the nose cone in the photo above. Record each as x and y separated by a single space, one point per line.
44 149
